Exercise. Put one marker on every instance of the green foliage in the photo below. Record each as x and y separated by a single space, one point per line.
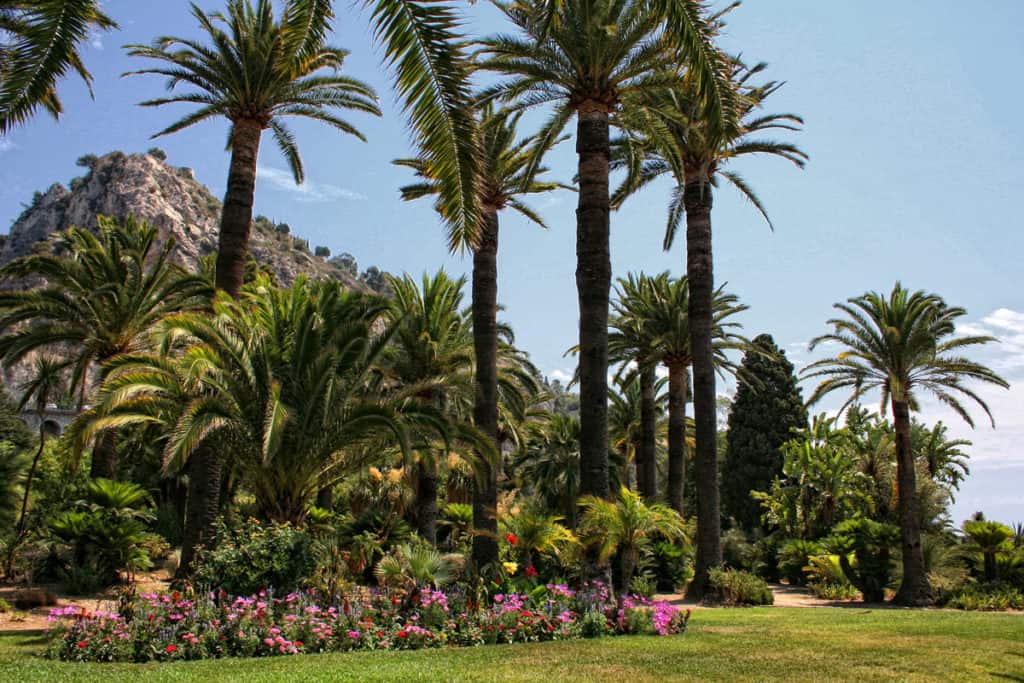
990 539
870 543
417 564
985 596
671 563
346 263
41 44
250 556
734 587
643 586
767 410
157 153
105 535
794 555
827 580
322 252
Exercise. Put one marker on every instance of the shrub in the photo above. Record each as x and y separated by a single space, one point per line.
671 563
794 555
827 580
984 596
5 606
254 555
157 153
870 543
322 251
643 586
735 587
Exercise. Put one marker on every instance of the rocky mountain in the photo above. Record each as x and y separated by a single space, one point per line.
145 186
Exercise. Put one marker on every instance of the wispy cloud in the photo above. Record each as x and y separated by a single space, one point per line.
563 376
309 191
6 144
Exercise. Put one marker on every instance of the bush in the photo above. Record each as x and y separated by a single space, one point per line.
31 598
157 153
870 543
322 251
794 555
255 555
671 563
734 587
984 596
643 586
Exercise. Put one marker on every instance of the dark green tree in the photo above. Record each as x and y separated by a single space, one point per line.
767 409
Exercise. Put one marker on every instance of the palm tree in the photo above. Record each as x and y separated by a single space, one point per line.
631 341
943 457
903 345
624 526
549 464
585 57
255 72
673 134
431 357
667 313
989 538
627 430
505 175
102 298
42 41
285 389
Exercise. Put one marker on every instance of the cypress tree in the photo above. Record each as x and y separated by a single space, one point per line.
766 410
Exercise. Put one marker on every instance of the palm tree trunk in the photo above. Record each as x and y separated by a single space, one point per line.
699 271
202 506
914 589
104 456
646 459
232 250
593 283
28 480
627 565
485 406
325 498
236 216
677 376
426 501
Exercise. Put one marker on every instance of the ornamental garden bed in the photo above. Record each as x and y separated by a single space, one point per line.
173 626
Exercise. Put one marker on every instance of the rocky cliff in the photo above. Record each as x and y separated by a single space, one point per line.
145 186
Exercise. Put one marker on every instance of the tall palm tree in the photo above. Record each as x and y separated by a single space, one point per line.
585 57
628 431
903 345
255 71
672 135
505 175
665 310
41 44
630 341
102 297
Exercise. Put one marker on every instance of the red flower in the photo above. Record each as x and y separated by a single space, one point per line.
171 649
380 634
402 634
531 571
82 643
297 643
511 538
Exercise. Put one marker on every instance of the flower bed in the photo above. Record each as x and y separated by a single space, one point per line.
163 627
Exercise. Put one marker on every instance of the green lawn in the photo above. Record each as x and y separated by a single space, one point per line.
734 645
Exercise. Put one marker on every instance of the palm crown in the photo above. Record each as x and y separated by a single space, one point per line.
901 344
261 70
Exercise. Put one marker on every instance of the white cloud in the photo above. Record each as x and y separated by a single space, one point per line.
563 376
6 144
96 39
309 191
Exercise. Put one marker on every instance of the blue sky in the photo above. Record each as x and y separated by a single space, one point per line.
917 167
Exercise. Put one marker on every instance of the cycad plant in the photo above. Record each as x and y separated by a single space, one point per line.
625 525
903 345
41 44
989 538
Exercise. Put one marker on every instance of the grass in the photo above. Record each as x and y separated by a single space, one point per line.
726 644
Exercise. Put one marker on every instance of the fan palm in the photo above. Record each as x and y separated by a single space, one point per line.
585 57
505 175
102 297
670 133
625 525
903 345
255 71
41 44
